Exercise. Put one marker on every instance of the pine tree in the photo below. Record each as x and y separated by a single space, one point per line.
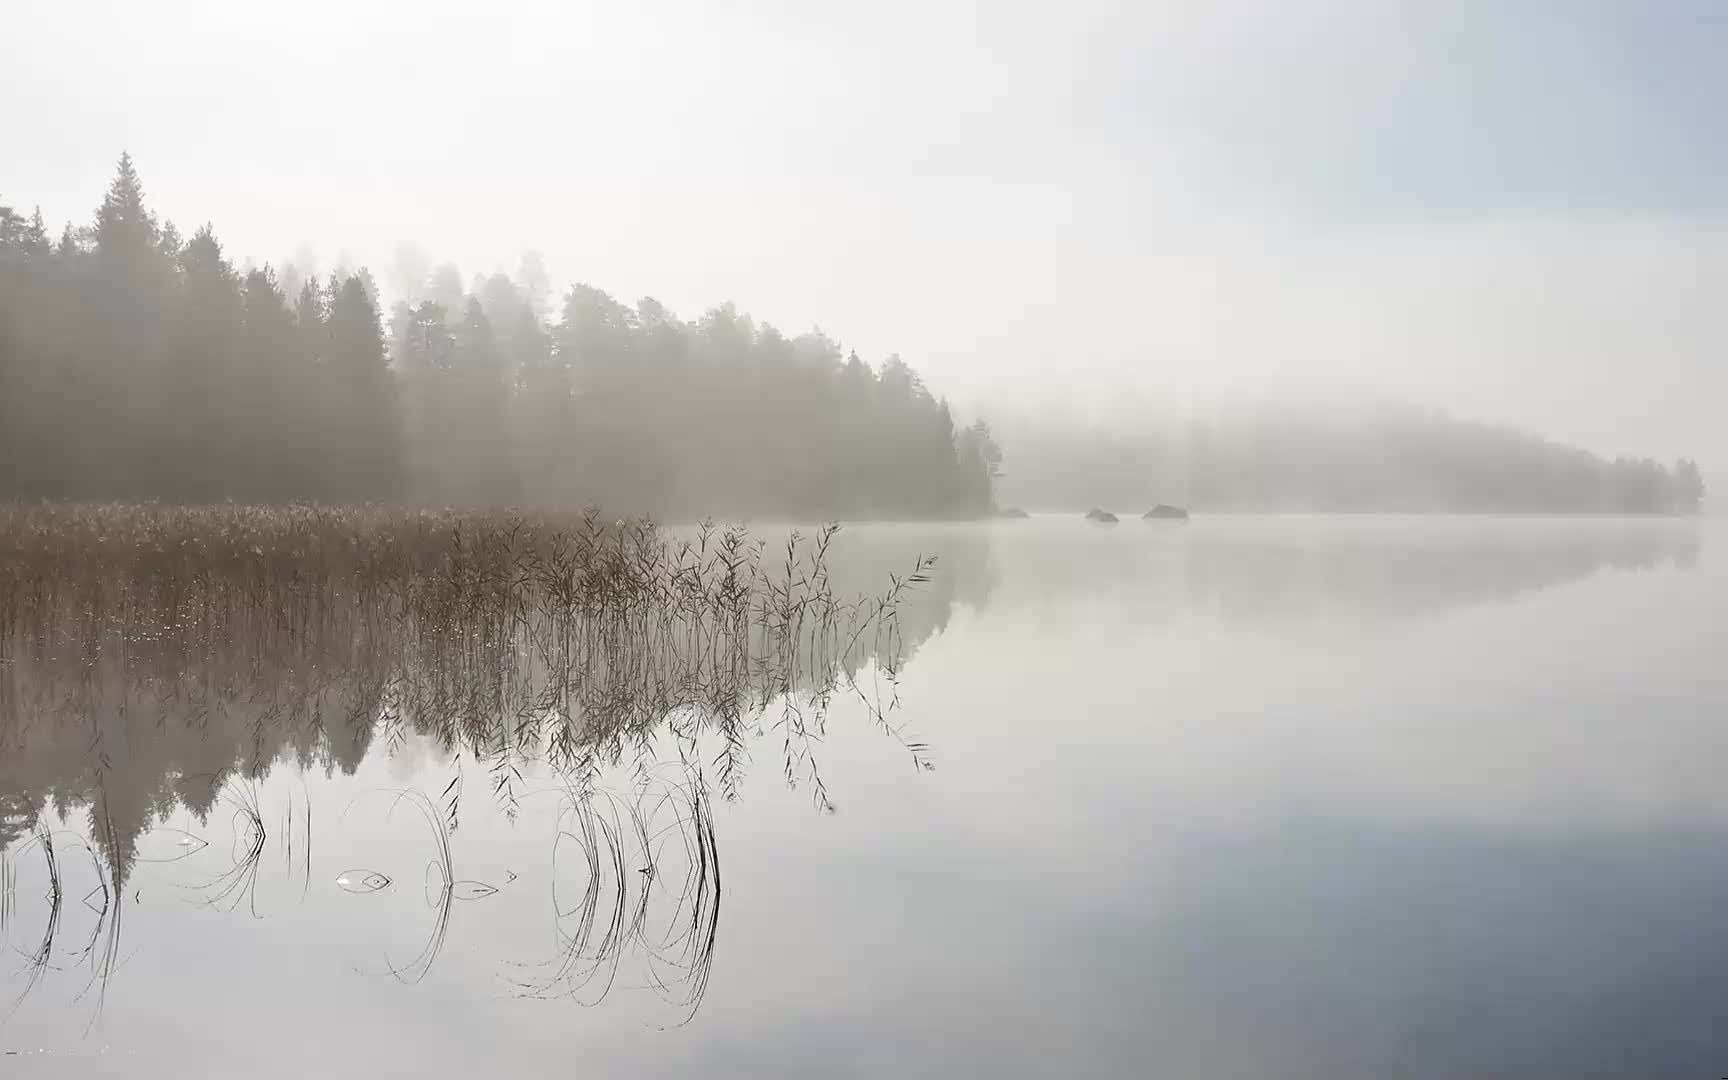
477 410
36 236
317 426
541 410
125 228
168 241
309 322
133 387
12 225
203 413
367 431
277 394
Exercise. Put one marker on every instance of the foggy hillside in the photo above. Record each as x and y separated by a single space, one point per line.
1308 459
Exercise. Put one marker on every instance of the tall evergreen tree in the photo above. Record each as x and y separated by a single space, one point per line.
12 226
128 375
485 475
366 436
276 394
200 413
125 227
36 240
541 411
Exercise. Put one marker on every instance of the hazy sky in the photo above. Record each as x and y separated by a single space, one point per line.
1514 208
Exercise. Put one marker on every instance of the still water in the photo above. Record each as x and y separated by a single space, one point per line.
1244 797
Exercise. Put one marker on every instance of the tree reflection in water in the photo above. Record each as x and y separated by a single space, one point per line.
155 661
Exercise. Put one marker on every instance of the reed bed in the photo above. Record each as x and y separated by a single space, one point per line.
562 639
154 657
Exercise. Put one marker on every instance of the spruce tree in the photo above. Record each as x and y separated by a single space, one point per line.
367 431
125 227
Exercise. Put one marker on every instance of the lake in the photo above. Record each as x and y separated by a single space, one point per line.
1238 797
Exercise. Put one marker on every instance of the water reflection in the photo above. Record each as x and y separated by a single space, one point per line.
441 887
133 696
1276 571
1264 571
78 906
635 878
372 772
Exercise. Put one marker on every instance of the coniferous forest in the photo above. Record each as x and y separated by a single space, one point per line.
138 363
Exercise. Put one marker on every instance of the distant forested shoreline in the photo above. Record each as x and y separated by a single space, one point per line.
1382 458
137 364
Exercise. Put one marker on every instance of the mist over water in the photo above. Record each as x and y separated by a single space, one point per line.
1309 796
1123 539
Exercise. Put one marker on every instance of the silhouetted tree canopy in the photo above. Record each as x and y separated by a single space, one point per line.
135 363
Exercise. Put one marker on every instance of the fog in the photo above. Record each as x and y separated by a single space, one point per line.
1457 205
1097 520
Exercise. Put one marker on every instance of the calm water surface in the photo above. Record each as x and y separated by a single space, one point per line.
1249 797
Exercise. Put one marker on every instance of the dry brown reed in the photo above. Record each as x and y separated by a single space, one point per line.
556 638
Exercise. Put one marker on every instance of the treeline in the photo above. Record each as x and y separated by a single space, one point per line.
1388 458
135 363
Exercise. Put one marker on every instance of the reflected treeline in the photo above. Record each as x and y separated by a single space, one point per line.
154 660
147 655
1268 570
1411 574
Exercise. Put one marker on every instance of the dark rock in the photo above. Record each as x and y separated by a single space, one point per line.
1102 517
1166 512
1013 512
